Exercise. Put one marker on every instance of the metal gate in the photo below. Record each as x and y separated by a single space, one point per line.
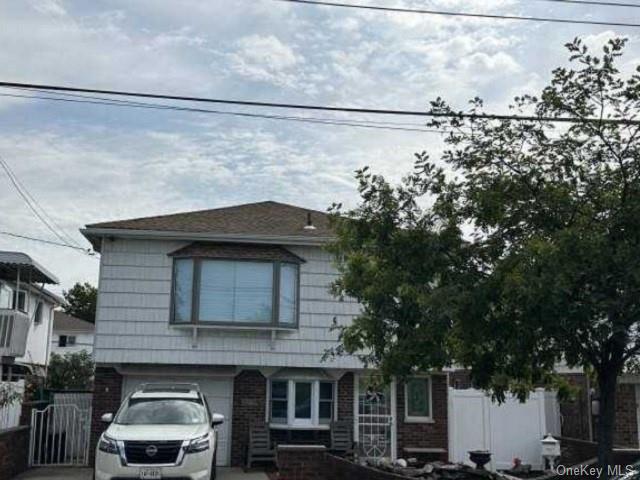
60 436
375 421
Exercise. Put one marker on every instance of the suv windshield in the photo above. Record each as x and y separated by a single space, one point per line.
162 411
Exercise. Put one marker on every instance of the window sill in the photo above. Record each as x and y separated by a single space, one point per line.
226 326
419 420
282 426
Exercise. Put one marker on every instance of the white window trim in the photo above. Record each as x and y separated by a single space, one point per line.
413 418
302 424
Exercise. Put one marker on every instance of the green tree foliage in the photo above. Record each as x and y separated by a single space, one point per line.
516 249
81 301
73 371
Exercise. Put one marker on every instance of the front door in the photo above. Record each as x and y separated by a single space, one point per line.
375 418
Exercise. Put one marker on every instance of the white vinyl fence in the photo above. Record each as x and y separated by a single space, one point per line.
509 430
10 414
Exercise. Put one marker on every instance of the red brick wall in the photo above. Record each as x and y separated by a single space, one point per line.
575 412
460 379
249 404
14 448
107 395
626 432
301 463
345 397
425 435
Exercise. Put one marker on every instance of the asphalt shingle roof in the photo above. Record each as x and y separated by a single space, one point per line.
264 218
63 322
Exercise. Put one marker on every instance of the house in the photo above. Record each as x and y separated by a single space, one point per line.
26 315
71 334
237 299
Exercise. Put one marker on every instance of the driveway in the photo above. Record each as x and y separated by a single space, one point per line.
86 474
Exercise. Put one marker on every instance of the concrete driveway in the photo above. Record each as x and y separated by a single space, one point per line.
86 474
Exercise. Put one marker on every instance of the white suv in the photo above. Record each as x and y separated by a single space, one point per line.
160 431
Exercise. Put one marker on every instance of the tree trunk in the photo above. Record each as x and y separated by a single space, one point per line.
607 383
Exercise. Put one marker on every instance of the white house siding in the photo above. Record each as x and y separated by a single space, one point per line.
133 315
37 350
84 341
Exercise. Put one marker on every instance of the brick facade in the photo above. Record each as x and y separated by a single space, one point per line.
626 432
249 406
575 413
107 396
14 450
425 435
297 462
345 396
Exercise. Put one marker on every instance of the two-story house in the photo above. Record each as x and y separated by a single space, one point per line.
237 299
71 334
26 315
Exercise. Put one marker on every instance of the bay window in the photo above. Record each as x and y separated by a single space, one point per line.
235 292
301 403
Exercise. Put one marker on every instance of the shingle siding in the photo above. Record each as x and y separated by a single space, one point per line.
133 314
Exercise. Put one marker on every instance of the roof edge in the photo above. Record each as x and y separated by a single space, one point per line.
93 235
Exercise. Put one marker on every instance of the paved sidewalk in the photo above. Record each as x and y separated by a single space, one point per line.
60 473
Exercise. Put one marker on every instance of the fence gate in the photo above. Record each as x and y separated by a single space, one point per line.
60 436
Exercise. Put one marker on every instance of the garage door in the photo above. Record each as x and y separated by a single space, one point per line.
219 393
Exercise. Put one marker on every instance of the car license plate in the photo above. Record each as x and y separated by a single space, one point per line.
150 474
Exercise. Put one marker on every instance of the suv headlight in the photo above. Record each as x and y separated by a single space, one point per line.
107 445
199 444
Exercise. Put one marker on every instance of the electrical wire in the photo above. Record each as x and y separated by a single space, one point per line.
458 14
337 122
48 242
35 211
595 2
49 222
372 111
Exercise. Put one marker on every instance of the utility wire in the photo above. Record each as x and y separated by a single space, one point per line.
322 121
160 105
595 2
49 242
372 111
458 14
35 211
31 200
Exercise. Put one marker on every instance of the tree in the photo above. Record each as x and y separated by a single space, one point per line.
515 250
73 371
81 301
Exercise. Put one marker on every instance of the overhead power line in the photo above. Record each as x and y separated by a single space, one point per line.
595 2
26 197
48 242
293 106
459 14
35 206
322 121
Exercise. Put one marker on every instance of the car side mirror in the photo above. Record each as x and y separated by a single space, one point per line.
217 419
107 418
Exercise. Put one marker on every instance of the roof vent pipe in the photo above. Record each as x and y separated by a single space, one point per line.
309 225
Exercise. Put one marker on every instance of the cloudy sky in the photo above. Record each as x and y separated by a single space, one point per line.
89 163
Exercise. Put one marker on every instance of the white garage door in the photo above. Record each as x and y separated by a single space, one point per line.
219 393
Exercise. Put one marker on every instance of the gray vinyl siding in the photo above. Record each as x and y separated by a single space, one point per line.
133 315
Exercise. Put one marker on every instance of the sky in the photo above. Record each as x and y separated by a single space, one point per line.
91 163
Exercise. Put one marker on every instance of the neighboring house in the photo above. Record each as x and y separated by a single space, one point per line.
71 334
237 299
26 315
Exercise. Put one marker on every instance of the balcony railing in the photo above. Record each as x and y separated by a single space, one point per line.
14 327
